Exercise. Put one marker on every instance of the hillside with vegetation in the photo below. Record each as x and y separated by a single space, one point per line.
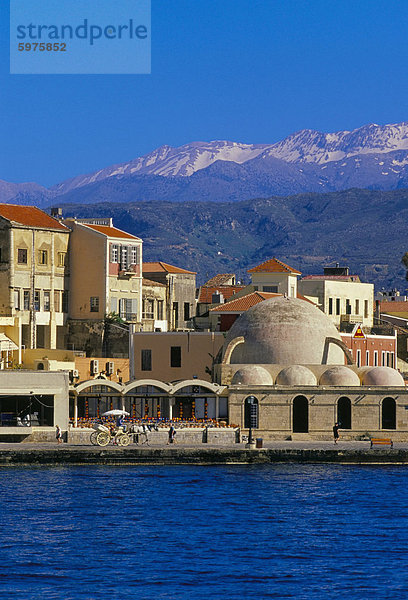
365 229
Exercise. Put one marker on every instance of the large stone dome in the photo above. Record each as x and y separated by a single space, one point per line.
284 331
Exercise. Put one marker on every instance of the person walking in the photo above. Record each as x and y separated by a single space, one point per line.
58 434
336 433
172 433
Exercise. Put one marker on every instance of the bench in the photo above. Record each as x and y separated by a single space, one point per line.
381 442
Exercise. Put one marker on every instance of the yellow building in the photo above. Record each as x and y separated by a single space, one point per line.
106 280
33 280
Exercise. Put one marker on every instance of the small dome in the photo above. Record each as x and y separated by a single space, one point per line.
383 376
284 331
296 375
252 375
339 376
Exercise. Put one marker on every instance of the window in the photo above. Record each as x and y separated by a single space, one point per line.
57 301
348 307
62 259
186 311
367 358
337 306
160 310
357 307
124 257
43 257
175 313
47 301
366 309
148 308
175 356
26 299
37 300
94 304
65 301
17 299
272 289
146 358
22 256
359 358
114 253
376 358
330 306
133 255
383 358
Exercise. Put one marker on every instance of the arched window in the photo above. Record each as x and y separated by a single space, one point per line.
251 417
388 414
300 415
344 413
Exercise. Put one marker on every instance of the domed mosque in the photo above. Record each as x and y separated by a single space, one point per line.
286 357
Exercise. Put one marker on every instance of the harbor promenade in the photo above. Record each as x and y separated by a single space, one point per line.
313 452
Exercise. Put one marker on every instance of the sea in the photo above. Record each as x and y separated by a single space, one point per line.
204 532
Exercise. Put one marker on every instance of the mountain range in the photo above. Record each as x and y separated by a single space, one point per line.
372 157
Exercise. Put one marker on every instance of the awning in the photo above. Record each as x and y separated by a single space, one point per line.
6 344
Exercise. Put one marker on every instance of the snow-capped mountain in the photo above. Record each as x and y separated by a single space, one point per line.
306 146
167 161
373 156
316 147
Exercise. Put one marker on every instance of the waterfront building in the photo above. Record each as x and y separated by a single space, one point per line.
341 296
106 281
181 292
154 306
34 281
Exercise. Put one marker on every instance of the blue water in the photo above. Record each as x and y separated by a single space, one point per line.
286 531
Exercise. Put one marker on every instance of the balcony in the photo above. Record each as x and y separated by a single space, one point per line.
129 317
352 319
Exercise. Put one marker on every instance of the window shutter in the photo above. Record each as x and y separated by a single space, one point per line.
134 306
114 305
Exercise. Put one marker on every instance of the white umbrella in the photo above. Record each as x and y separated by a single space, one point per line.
115 413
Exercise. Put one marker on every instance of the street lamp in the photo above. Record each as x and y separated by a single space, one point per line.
252 404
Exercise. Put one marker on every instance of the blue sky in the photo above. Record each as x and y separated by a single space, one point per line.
244 70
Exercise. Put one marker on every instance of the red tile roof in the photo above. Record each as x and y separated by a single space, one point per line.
162 267
220 279
273 265
333 277
242 304
30 216
227 291
111 231
150 283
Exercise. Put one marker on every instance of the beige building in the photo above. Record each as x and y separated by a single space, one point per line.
275 277
154 306
34 278
181 292
341 296
106 271
175 355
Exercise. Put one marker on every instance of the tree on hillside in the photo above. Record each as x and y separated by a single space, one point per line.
404 261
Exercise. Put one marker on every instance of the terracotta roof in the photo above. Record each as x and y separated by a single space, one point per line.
220 279
273 265
394 307
111 231
149 282
242 304
30 216
162 267
333 277
227 291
